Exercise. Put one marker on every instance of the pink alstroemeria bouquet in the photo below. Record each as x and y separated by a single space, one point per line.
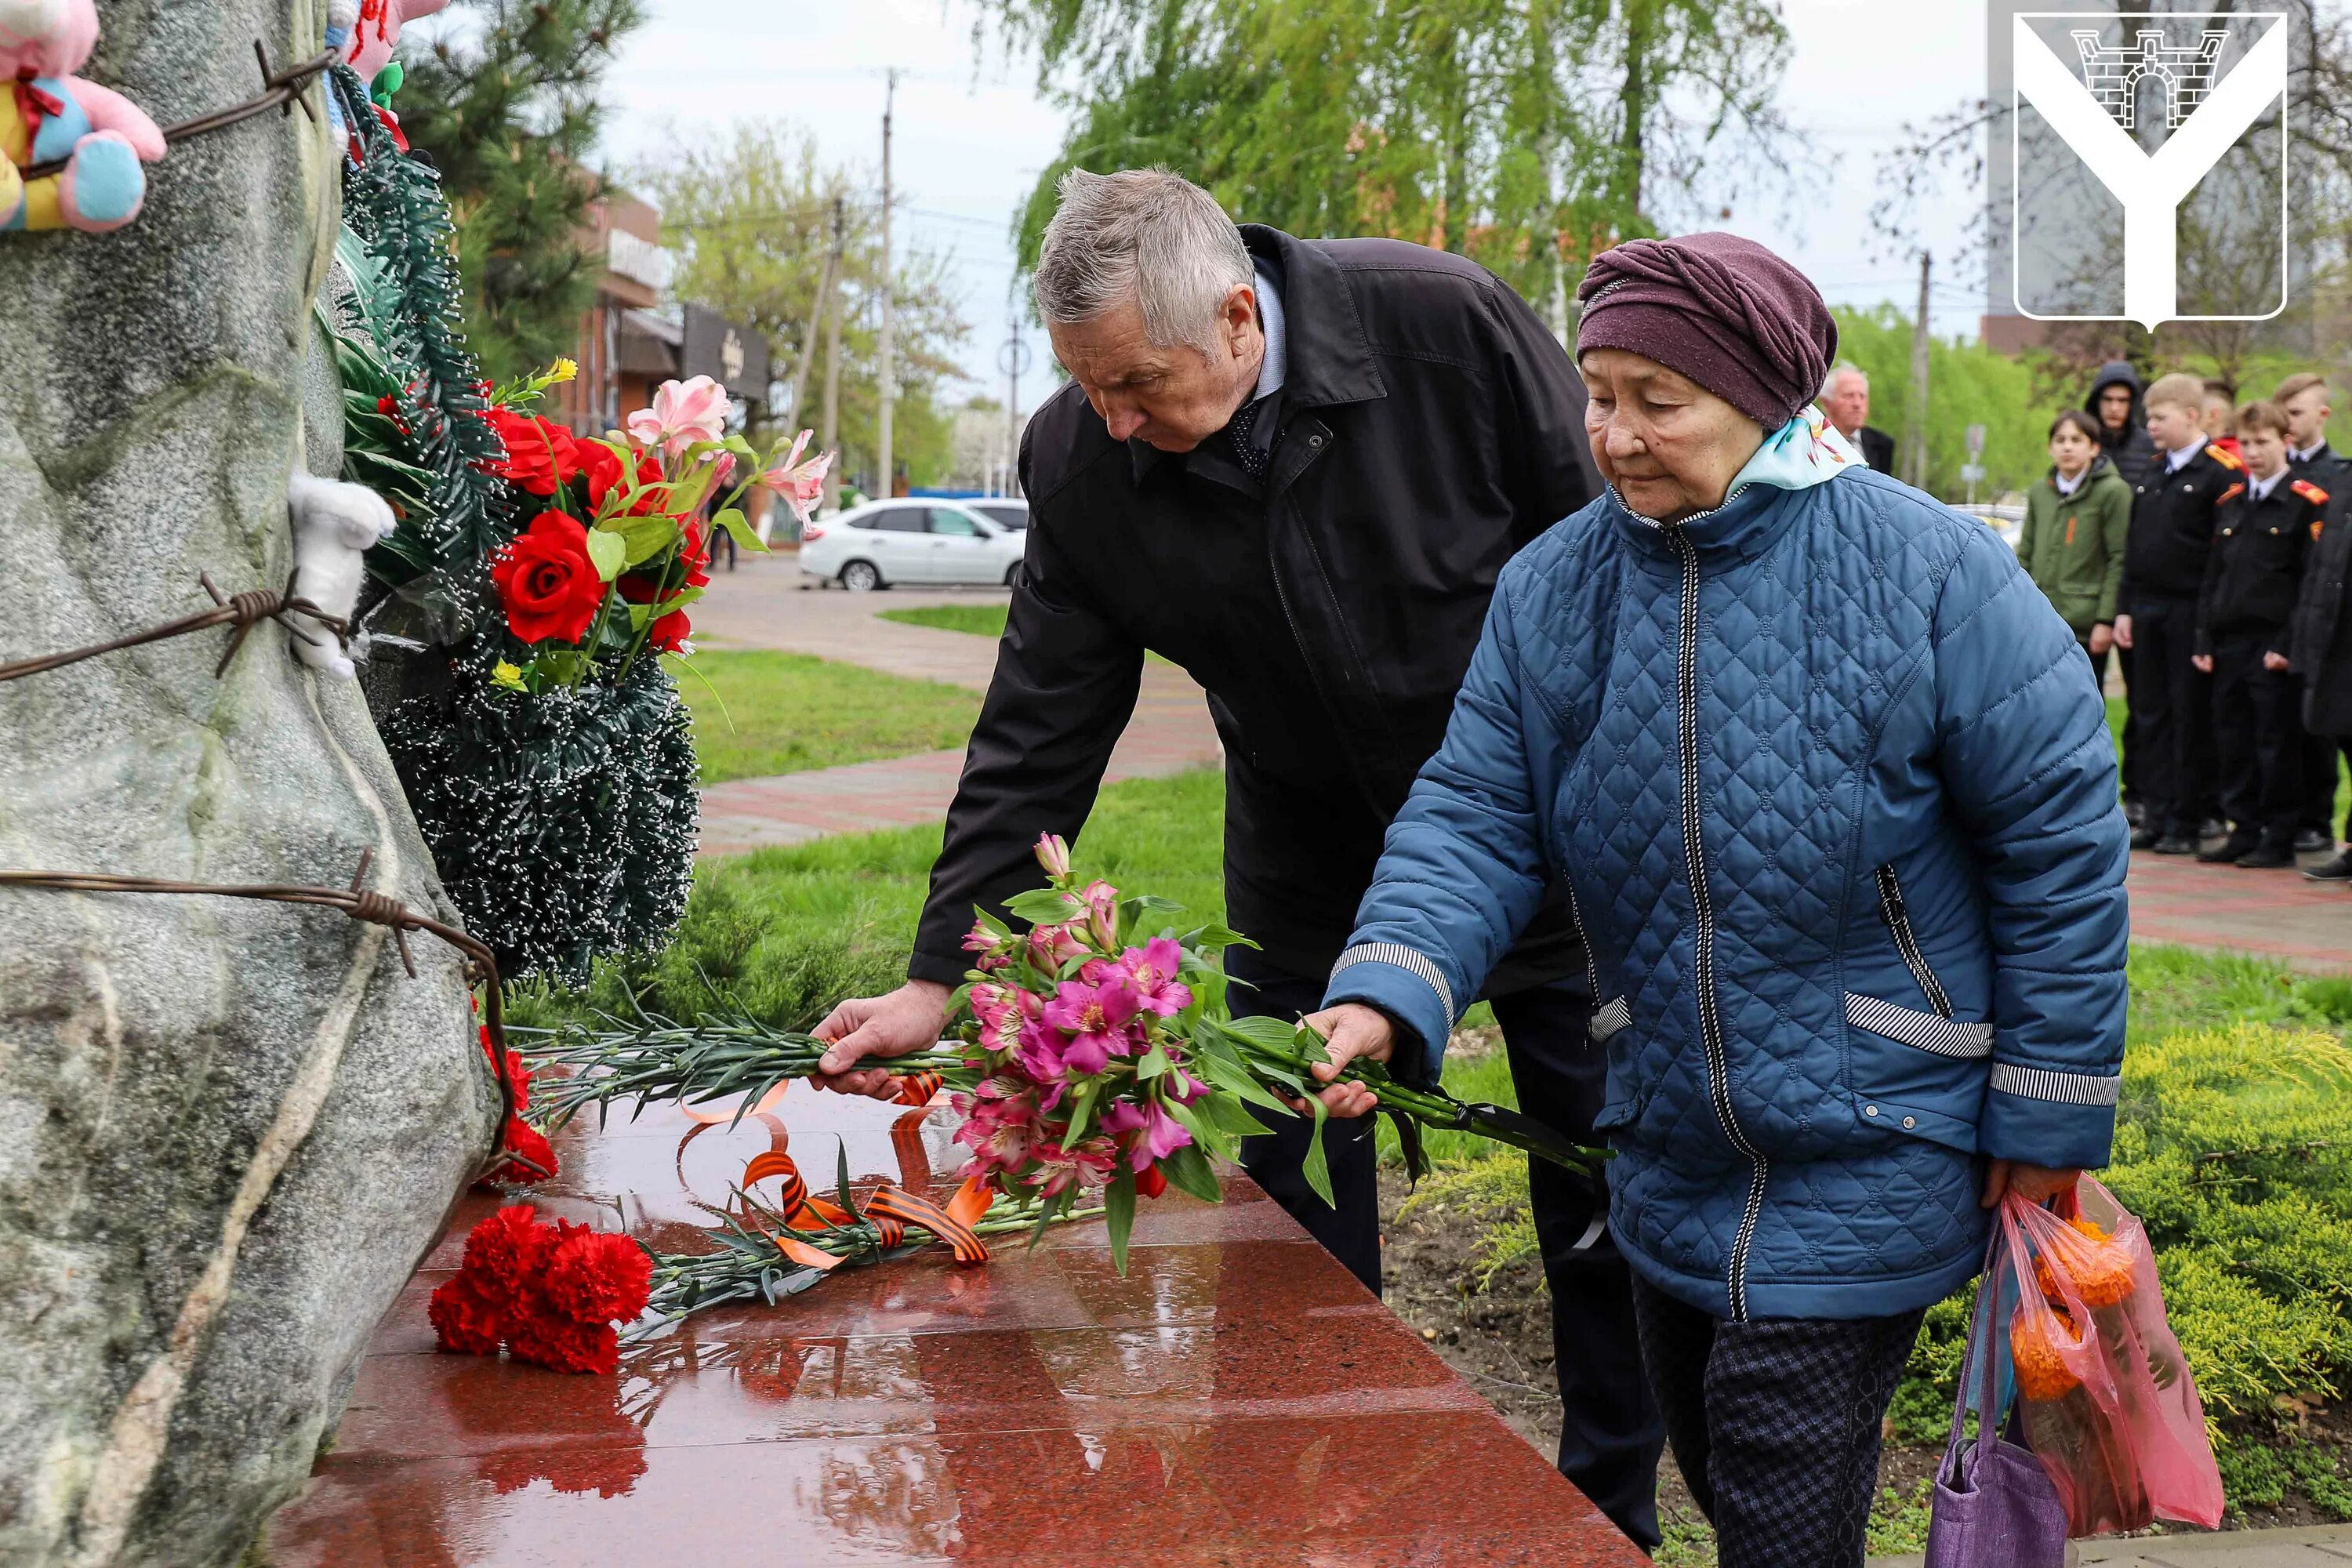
1096 1054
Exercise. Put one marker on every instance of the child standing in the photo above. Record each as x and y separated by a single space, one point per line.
2076 521
2163 574
2253 575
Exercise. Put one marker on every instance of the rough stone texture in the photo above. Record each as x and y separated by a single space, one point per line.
227 1129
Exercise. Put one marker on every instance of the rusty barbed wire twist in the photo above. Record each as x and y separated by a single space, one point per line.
280 91
242 610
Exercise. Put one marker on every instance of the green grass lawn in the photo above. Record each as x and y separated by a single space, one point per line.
761 713
981 620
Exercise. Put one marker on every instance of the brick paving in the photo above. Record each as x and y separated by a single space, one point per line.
2315 1546
2271 914
763 606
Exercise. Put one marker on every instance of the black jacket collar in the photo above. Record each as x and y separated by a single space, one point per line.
1327 357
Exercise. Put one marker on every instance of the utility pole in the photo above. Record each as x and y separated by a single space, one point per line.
829 438
1914 461
1012 359
817 308
889 384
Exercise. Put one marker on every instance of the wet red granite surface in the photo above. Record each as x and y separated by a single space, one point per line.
1236 1399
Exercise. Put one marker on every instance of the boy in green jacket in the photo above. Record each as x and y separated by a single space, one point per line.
2076 519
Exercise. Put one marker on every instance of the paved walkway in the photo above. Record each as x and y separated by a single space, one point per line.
2272 914
763 606
2319 1546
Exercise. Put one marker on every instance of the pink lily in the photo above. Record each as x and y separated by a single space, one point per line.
1096 1018
1041 1055
1102 913
1057 1169
1152 969
1050 947
1159 1133
800 483
1053 855
989 946
684 412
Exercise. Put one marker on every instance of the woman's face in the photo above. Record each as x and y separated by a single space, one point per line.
1670 447
2070 449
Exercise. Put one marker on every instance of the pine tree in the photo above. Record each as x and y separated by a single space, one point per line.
507 109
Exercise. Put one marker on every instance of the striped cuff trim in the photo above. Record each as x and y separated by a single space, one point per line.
2060 1088
1965 1038
1610 1017
1403 958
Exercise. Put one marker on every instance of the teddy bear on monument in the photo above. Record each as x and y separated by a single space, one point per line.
48 113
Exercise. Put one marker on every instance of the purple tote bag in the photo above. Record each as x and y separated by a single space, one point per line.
1994 1505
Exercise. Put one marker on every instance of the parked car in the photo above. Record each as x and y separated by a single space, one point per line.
883 544
1012 513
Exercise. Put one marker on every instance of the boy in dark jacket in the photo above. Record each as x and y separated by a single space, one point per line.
2305 401
2164 576
2321 655
2253 575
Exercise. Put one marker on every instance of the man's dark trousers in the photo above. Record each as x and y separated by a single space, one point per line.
1611 1430
2258 734
2172 713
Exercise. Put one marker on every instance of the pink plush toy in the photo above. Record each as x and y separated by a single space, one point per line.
47 112
377 32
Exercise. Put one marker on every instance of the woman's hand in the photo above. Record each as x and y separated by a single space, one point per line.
2123 632
2275 662
1350 1030
2203 661
2103 637
2034 1184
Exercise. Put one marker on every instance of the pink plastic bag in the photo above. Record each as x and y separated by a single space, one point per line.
2108 1403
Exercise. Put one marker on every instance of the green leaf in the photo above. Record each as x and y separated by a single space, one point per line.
608 551
1271 1036
738 528
1152 1063
1317 1165
1190 1170
1082 1109
1119 1214
643 537
1215 937
1408 1132
1044 906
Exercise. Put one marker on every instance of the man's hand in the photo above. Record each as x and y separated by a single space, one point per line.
1350 1030
2203 661
2275 661
2103 637
908 1019
2122 631
2034 1184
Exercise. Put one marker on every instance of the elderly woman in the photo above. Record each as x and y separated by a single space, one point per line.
1837 814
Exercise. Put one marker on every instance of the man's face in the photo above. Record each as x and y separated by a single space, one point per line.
2306 418
2265 451
1848 404
2219 416
2174 425
1173 398
2114 406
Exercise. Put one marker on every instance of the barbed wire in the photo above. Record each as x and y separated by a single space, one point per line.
281 89
242 611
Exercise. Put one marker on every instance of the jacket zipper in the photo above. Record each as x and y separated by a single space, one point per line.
1710 1018
1898 920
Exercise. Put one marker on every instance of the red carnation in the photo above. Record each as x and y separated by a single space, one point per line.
595 1276
550 1339
466 1320
520 1136
547 582
540 456
507 1253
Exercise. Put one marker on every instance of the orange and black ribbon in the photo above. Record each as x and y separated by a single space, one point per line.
917 1088
890 1209
900 1204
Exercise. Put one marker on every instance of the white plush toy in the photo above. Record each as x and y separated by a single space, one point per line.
334 524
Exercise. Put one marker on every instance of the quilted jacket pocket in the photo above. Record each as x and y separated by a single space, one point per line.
1916 1073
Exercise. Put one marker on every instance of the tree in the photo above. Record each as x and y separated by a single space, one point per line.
1525 134
505 104
750 214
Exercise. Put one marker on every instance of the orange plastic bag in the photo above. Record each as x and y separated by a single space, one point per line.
2107 1402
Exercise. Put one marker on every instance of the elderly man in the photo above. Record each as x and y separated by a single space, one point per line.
1295 468
1845 398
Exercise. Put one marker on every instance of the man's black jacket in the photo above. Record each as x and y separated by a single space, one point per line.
2255 574
1429 426
2172 526
2323 623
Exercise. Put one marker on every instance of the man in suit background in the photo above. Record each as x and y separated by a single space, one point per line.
1846 400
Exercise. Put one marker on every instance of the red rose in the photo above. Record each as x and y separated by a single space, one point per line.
595 1278
606 472
465 1318
546 582
540 456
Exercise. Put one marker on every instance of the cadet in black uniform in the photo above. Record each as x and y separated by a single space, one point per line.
2164 576
2253 574
2305 399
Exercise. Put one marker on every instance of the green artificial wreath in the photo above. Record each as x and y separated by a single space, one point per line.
562 821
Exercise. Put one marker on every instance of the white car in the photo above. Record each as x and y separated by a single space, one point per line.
886 542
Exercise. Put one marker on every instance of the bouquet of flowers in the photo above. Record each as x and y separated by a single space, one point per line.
1096 1054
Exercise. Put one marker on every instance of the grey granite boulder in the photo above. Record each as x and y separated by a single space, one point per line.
227 1129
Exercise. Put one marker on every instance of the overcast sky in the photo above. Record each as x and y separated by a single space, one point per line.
971 132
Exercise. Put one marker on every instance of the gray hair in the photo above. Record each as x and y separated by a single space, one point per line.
1145 235
1844 367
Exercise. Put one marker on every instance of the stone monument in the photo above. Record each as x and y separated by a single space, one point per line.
227 1129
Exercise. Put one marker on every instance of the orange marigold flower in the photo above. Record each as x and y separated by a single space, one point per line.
2102 1273
2041 1371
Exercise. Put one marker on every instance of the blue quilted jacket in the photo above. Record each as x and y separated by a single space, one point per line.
1837 807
